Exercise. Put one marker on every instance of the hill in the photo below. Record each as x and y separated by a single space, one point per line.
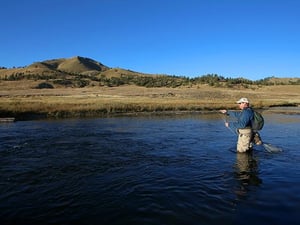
81 71
75 65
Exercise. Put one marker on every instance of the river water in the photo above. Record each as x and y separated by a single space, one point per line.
147 170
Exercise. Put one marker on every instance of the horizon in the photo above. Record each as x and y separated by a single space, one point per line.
250 39
15 67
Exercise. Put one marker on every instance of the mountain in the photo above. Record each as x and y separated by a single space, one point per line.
89 71
75 64
72 72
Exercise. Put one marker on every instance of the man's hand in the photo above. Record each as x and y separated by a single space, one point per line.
223 111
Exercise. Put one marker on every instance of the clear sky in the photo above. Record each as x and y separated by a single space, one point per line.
253 39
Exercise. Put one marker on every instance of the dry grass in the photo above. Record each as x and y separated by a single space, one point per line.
21 97
17 98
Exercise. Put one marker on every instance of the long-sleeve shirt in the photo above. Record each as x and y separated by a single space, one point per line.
243 117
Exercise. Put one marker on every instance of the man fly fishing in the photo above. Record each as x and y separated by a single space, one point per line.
243 125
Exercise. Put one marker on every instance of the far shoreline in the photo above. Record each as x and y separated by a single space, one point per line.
26 103
29 116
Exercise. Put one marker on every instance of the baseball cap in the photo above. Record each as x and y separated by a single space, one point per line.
243 100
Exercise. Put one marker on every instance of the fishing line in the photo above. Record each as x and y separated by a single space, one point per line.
224 118
267 146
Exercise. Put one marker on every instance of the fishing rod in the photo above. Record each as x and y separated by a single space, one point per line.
267 146
225 121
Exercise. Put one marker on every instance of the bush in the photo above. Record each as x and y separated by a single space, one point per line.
44 85
64 82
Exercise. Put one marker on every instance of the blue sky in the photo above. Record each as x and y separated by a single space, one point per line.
253 39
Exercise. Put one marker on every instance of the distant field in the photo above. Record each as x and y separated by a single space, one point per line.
81 86
17 98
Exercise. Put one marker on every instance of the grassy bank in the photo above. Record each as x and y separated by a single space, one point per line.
98 101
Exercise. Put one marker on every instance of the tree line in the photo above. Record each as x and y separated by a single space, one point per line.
82 80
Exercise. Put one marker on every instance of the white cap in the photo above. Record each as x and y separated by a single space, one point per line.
243 100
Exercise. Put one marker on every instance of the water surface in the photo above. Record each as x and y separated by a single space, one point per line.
147 170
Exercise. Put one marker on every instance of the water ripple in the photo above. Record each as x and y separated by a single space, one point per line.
142 171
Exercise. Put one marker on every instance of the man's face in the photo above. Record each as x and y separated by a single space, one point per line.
242 105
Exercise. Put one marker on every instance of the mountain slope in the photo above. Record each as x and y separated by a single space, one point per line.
78 67
79 64
75 65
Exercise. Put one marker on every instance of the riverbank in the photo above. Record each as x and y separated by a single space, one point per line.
29 103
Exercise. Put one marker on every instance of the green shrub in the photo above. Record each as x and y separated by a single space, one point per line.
44 85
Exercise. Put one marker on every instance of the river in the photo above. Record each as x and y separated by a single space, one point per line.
147 170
